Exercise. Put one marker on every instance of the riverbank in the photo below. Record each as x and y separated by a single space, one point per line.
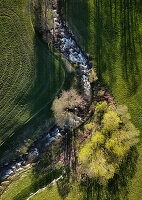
63 40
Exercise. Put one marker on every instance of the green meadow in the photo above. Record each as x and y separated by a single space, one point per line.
30 74
111 32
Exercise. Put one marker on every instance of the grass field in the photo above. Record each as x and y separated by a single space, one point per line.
29 182
111 32
38 175
30 75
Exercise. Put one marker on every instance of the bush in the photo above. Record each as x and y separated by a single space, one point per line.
93 76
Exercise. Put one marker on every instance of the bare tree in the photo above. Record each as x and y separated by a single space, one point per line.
66 108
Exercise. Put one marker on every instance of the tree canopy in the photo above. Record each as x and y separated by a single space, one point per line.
101 156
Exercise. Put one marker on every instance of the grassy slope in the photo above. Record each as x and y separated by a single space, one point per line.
30 180
111 31
55 193
29 73
26 183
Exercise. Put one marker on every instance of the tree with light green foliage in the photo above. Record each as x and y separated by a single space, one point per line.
111 121
101 156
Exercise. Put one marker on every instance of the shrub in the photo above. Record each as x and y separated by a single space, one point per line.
93 76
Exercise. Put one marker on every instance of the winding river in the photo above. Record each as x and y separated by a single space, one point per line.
63 40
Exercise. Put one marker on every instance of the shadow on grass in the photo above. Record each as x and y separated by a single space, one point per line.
64 185
48 169
47 81
77 14
116 41
117 187
43 173
70 163
128 21
49 69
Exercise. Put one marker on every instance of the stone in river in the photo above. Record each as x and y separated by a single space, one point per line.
18 164
72 58
72 42
20 169
9 172
13 166
71 50
33 155
50 141
54 132
48 135
58 135
84 77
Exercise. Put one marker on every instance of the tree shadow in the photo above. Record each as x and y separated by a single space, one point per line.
49 168
128 21
43 173
64 185
106 38
116 188
70 162
116 33
79 23
51 75
114 40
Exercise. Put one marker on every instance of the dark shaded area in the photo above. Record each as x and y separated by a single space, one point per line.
64 185
53 74
39 183
46 87
45 60
48 168
13 142
43 173
78 20
117 187
70 163
129 31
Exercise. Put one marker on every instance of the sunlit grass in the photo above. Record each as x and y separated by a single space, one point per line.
30 75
